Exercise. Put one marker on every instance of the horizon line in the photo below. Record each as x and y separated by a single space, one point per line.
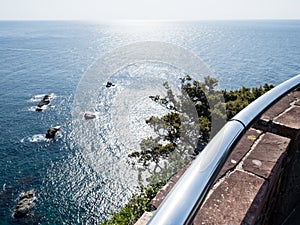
151 20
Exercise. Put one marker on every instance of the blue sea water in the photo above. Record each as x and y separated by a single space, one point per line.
75 184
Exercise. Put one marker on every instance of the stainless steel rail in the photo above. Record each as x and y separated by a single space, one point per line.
183 202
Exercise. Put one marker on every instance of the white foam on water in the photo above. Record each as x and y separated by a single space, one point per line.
37 138
33 108
34 138
39 97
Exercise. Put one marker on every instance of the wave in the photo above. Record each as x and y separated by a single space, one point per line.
39 97
33 108
34 138
40 138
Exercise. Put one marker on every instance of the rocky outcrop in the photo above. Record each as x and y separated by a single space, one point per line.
43 102
89 115
51 132
109 84
24 205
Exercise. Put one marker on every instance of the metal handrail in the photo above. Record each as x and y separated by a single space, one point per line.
185 199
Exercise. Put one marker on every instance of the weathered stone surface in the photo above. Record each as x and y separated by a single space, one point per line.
240 150
291 118
51 132
276 128
288 196
144 218
297 103
24 204
89 115
279 107
254 213
43 102
231 199
266 154
296 94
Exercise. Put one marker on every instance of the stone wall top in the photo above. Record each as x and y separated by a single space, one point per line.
247 188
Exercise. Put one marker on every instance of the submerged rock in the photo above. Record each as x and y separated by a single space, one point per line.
5 195
43 102
51 132
24 205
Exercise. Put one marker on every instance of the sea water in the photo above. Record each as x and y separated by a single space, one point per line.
83 183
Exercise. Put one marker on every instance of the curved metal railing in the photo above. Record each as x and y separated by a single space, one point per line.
183 202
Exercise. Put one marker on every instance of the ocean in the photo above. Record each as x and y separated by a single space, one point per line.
83 175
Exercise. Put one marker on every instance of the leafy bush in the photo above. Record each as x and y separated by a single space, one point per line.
135 208
173 134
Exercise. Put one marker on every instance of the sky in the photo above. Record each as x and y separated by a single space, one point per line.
100 10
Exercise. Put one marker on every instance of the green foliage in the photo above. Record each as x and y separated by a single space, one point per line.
211 105
135 208
176 133
179 130
152 150
236 100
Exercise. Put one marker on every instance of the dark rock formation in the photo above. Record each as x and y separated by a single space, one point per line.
24 205
52 132
89 115
44 101
109 84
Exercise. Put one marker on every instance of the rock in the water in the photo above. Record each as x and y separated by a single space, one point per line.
109 84
51 133
44 101
89 115
24 204
39 109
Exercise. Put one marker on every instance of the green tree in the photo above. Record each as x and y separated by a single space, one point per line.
176 132
181 133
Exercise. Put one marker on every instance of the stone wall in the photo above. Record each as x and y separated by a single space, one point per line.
260 182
